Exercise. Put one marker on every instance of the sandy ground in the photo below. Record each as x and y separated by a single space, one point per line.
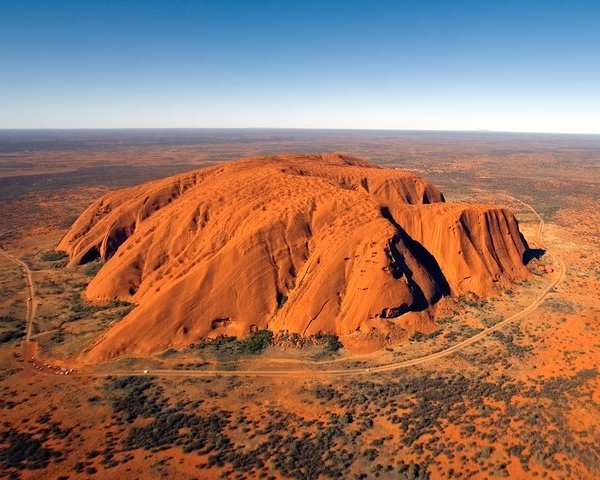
522 403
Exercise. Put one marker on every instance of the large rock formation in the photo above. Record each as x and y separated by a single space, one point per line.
305 243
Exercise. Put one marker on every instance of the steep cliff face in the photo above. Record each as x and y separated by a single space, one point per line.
305 243
476 246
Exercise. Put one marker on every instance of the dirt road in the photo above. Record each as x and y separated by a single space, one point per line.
32 300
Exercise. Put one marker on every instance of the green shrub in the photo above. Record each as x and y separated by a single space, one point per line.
9 320
473 301
91 269
24 451
331 343
256 342
558 305
53 256
419 336
226 346
10 335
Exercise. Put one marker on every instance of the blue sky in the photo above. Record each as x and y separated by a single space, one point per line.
448 65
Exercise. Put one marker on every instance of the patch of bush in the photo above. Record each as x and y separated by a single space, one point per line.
513 349
412 471
472 300
92 268
227 346
80 309
256 342
419 336
558 305
11 335
7 319
330 343
23 451
323 392
134 397
53 256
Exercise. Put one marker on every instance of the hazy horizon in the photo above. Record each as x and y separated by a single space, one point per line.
301 129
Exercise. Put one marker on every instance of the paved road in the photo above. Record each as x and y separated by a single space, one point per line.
327 371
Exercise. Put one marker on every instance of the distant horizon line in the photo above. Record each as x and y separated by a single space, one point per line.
483 131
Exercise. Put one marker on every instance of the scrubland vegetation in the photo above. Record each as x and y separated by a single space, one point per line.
522 404
393 426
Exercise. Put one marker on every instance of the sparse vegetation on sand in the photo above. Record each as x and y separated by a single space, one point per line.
349 442
522 403
13 328
53 256
92 268
226 347
10 335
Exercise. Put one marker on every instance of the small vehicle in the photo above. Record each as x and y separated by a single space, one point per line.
145 371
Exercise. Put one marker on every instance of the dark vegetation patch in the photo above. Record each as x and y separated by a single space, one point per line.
32 450
10 320
11 335
508 340
109 176
81 309
418 408
330 345
53 256
133 397
256 342
14 328
92 268
421 407
279 445
22 451
473 301
559 388
229 348
281 299
558 305
419 336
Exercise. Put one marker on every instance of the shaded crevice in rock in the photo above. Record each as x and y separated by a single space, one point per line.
424 258
115 239
401 269
91 255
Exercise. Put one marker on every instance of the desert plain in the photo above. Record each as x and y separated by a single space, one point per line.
482 381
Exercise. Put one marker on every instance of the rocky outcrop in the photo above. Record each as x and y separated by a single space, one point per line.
305 243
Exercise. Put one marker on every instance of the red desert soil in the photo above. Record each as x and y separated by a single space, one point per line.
305 243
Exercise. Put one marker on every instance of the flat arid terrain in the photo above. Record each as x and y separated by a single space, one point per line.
299 304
